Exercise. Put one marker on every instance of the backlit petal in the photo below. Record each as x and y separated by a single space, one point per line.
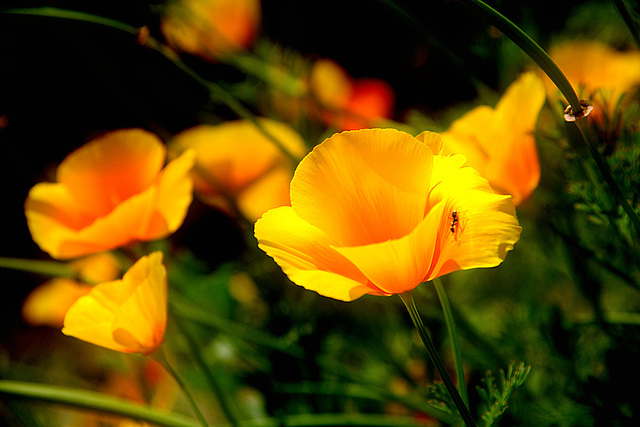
304 253
487 226
399 265
363 187
108 170
48 303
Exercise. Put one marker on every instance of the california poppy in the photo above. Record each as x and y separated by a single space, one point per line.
499 142
237 163
127 315
110 192
210 28
375 211
48 303
348 103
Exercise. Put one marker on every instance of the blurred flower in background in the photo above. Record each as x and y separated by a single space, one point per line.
127 315
499 142
603 75
211 28
374 211
108 193
48 303
237 164
347 103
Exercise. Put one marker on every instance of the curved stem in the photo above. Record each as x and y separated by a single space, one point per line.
215 91
530 47
453 335
49 268
582 125
91 400
629 20
160 356
407 299
212 379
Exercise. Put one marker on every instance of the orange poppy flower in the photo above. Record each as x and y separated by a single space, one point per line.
210 28
235 161
351 104
375 211
48 303
127 315
109 192
597 71
499 142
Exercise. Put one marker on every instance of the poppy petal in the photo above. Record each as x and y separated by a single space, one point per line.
351 187
304 253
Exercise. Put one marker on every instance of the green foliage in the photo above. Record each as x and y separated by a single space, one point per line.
495 396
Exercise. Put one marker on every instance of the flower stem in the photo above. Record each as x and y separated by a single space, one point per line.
160 356
530 47
213 381
216 92
407 299
90 400
453 335
629 20
49 268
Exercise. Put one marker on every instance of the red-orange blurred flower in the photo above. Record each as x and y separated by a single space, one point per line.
127 315
350 104
48 303
375 211
236 162
110 192
211 28
499 142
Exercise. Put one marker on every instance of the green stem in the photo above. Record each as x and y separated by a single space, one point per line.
49 268
91 400
181 307
215 385
160 356
407 299
629 20
215 91
453 335
583 125
530 47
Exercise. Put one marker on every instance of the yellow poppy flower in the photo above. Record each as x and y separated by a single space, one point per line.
597 71
235 161
109 192
48 303
499 142
127 315
211 28
351 103
375 211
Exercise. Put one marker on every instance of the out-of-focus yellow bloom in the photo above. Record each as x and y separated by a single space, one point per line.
350 104
235 161
499 143
211 28
597 71
110 192
375 211
48 303
127 315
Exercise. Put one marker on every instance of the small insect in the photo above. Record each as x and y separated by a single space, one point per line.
454 221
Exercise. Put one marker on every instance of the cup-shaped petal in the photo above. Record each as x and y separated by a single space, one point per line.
111 191
374 211
127 315
211 28
499 142
236 161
